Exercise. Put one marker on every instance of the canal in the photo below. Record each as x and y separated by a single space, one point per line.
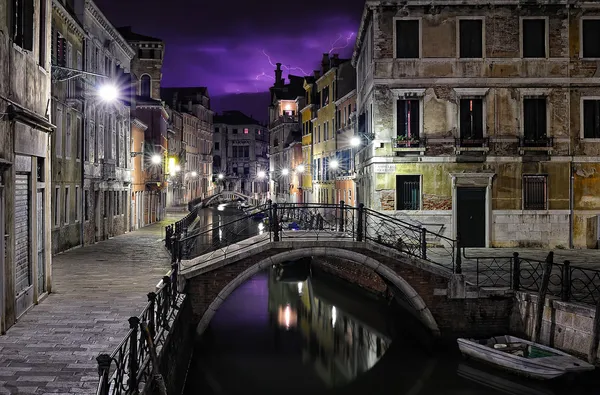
309 333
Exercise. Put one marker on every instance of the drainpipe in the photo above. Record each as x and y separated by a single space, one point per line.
83 144
571 168
571 218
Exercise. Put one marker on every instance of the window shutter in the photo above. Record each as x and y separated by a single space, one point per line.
401 118
28 10
414 119
477 118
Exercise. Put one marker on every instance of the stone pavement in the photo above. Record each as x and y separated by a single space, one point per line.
52 349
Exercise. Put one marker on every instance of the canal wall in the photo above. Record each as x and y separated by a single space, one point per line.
473 315
566 326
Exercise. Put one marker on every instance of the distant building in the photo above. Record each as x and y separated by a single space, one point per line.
193 103
68 106
25 157
107 130
284 129
146 69
240 154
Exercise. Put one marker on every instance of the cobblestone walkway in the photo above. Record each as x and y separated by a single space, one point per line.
52 349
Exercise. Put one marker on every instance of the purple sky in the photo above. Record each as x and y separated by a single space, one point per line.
220 44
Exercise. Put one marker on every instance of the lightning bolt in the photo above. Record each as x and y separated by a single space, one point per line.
288 68
264 75
348 39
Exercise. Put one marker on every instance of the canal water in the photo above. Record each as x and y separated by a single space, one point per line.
305 332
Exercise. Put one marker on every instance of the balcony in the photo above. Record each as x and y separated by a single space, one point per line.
109 171
535 144
283 120
471 144
75 91
404 144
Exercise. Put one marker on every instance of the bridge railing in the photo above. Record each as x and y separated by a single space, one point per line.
569 283
180 227
128 369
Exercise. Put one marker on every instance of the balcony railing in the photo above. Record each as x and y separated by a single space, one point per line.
109 171
540 144
402 143
472 142
284 119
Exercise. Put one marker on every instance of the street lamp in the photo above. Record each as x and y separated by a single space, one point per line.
285 172
355 141
177 169
156 159
108 93
334 164
194 174
300 168
261 174
221 176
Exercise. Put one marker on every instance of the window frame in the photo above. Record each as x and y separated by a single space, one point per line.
395 34
581 20
409 94
522 120
523 202
582 118
57 204
546 36
470 18
67 205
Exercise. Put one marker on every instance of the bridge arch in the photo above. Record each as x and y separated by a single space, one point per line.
226 195
414 299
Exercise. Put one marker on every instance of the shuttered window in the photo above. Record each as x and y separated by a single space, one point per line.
407 39
408 118
471 118
471 38
22 23
591 119
534 119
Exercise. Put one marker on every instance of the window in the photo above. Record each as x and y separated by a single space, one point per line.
58 133
79 126
234 131
471 38
105 214
245 130
246 170
216 146
216 130
471 118
534 192
42 35
275 143
534 119
78 203
407 39
22 23
325 94
591 119
86 205
57 206
145 86
408 192
534 38
68 134
408 118
590 31
67 201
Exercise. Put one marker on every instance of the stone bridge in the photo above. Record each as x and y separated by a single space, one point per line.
224 196
442 300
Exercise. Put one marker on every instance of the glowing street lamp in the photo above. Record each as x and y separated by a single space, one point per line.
261 174
285 172
194 174
355 141
108 93
221 176
177 168
300 169
334 164
156 159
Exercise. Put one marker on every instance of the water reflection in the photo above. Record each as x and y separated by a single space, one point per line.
337 345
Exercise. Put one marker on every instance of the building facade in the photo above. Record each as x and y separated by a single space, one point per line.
240 154
138 181
309 114
284 129
146 70
346 140
68 37
194 106
483 119
25 160
176 191
106 142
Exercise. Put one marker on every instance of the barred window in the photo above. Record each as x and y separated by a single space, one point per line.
408 192
535 191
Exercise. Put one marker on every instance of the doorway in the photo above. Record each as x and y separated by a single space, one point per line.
470 215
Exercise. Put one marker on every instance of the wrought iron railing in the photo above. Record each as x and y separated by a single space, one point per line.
569 283
127 370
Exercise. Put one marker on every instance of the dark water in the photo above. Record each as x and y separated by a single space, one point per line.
319 336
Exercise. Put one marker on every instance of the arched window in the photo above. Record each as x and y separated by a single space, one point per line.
145 86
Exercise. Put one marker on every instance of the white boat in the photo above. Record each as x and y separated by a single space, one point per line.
523 357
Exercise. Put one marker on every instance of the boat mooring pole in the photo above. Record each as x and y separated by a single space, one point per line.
539 313
593 351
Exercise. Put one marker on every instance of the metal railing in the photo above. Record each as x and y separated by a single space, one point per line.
569 283
314 221
180 227
127 370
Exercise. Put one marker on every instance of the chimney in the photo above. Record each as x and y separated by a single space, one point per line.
335 60
278 79
317 73
325 63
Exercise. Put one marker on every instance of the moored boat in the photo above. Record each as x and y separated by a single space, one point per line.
523 357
